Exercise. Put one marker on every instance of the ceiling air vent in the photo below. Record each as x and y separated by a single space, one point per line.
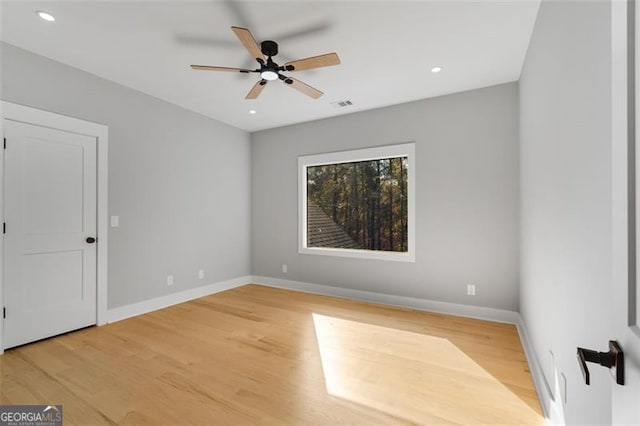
341 104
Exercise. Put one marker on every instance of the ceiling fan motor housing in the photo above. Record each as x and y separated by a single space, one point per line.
269 48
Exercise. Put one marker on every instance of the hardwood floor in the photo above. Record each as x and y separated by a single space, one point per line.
259 355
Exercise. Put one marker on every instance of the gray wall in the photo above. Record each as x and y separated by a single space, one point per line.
466 200
565 113
179 181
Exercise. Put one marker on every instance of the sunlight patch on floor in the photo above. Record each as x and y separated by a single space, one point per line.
416 377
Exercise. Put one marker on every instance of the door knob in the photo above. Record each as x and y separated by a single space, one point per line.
614 359
91 240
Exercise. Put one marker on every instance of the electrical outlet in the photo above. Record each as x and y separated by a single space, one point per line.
201 274
169 279
284 268
471 289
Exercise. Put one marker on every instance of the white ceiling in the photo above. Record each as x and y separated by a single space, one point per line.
387 49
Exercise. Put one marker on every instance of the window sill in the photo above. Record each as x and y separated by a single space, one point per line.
361 254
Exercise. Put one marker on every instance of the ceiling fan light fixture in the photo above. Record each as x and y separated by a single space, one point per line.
269 70
269 75
46 16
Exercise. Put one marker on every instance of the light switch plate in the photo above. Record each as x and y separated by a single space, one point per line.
115 221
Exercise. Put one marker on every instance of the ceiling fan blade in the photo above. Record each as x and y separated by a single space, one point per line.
256 89
197 40
249 42
229 69
317 28
326 60
238 10
303 87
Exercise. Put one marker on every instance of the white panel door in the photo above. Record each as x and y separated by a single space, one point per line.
50 216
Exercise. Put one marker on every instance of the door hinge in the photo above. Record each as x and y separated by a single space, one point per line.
4 313
5 143
4 227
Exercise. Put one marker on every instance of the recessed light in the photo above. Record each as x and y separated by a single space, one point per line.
436 70
46 16
252 111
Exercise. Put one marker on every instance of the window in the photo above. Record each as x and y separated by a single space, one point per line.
358 203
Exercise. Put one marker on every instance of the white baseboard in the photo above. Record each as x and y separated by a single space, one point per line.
128 311
478 312
491 314
543 389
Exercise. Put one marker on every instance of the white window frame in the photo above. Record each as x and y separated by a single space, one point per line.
368 154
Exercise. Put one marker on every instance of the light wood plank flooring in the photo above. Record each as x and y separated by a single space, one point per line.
259 355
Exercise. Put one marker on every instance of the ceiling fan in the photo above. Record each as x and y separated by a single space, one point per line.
269 70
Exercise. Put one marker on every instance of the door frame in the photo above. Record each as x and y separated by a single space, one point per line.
625 133
29 115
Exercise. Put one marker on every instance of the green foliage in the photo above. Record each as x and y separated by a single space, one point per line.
368 199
